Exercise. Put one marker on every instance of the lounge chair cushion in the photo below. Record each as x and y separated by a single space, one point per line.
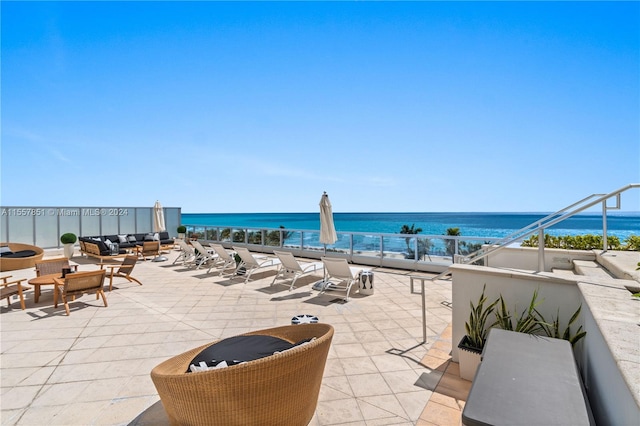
21 253
238 349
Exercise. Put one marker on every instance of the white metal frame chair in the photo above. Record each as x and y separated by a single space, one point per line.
291 268
187 254
252 263
339 269
203 255
224 258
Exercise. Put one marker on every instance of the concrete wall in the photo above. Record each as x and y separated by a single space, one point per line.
611 400
516 288
527 258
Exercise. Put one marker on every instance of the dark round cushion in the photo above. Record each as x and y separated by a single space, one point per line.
21 253
235 350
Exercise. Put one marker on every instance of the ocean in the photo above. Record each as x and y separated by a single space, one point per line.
495 225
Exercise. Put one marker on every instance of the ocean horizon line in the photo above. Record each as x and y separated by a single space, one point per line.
598 213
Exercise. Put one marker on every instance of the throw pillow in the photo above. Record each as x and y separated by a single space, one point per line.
108 243
132 238
122 239
5 249
156 237
148 237
238 349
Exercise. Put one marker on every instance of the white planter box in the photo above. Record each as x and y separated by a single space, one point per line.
469 361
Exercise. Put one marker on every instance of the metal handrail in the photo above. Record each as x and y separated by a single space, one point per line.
547 222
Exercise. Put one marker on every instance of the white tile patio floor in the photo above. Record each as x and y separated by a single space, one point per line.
93 366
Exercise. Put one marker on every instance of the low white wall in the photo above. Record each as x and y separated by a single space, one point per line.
516 288
527 258
611 400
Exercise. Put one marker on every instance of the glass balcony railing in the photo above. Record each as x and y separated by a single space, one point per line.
415 252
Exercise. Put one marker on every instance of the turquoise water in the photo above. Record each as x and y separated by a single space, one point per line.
495 225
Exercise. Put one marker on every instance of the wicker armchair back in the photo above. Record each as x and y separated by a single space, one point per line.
281 389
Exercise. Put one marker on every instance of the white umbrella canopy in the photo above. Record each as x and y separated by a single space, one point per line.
327 228
158 218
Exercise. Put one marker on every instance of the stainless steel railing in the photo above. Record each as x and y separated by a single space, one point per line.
553 219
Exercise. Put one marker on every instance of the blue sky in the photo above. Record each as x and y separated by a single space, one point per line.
260 107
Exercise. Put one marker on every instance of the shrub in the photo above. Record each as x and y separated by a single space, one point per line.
68 238
583 242
182 229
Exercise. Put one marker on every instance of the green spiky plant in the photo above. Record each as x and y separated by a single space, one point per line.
553 329
527 322
476 328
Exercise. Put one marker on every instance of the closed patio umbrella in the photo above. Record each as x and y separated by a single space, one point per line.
327 231
327 228
158 225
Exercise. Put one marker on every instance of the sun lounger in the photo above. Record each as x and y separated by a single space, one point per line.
339 269
291 268
252 263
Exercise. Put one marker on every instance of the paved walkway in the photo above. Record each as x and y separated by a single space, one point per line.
93 366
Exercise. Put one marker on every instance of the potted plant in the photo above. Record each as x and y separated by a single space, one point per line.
241 270
182 230
471 345
68 240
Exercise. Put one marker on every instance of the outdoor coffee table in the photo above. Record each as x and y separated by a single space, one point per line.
48 279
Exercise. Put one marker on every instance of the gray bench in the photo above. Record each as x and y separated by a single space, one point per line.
526 379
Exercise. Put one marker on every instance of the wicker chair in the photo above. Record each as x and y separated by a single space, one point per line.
53 266
12 288
79 283
281 389
12 264
150 249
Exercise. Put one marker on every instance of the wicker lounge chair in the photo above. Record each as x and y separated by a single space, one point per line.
339 269
280 389
10 263
291 268
12 288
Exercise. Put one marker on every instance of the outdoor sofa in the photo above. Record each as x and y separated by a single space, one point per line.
99 246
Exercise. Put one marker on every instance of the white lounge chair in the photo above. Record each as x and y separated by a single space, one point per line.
252 263
291 268
203 254
187 254
223 260
339 269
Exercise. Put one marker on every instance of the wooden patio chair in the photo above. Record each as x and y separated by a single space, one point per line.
124 270
150 249
77 284
53 266
12 288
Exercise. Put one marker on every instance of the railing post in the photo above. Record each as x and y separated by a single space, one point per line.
541 250
604 227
